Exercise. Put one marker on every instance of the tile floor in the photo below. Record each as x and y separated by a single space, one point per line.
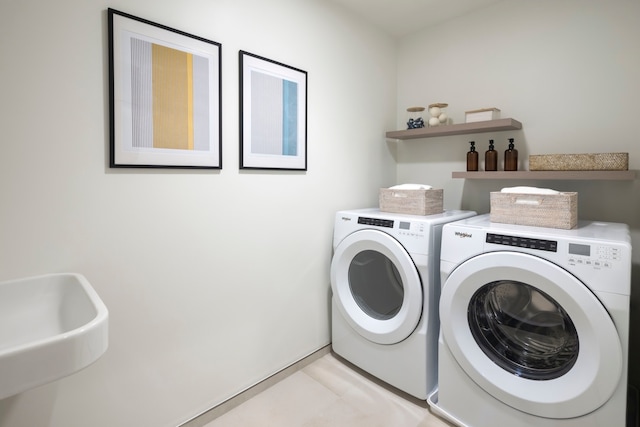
330 392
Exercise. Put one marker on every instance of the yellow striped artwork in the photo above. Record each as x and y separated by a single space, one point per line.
170 104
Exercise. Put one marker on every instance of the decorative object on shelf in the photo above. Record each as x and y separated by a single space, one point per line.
424 201
579 162
456 129
472 157
511 157
164 95
437 113
415 117
491 158
273 114
481 115
534 207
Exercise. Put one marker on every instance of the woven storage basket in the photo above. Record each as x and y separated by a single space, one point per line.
412 202
538 210
579 162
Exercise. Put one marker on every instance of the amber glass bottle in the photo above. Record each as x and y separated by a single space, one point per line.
511 157
491 158
472 157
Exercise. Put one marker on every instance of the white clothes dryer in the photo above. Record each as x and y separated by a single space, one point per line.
534 325
385 285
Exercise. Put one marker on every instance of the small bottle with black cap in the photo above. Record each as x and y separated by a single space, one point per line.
511 157
491 158
472 157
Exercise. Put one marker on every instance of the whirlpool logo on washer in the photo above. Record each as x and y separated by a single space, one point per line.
463 235
346 218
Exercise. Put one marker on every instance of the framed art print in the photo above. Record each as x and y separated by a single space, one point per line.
165 99
273 114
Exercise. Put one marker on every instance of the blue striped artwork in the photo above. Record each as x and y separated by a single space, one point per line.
289 118
274 115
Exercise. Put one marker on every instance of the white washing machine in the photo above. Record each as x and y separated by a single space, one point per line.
385 284
534 325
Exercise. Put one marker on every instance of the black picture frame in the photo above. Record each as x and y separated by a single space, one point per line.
273 114
165 100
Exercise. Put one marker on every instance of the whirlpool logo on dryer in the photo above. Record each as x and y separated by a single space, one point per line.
463 235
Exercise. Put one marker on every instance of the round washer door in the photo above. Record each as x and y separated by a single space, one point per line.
530 334
376 286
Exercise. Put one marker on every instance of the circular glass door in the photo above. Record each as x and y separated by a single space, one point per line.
523 330
376 286
530 334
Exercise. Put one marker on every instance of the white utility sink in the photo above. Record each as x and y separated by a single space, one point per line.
50 326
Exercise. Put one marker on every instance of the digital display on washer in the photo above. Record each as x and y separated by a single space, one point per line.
523 242
404 225
576 249
375 221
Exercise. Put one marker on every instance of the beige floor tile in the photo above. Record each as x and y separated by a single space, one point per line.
383 407
433 421
333 374
291 402
330 393
340 414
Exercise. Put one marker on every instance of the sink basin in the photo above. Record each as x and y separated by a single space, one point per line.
50 326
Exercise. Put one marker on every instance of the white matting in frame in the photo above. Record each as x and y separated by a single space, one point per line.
165 99
273 114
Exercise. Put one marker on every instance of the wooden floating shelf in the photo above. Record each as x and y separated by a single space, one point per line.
498 125
547 175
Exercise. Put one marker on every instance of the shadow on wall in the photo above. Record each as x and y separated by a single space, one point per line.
13 408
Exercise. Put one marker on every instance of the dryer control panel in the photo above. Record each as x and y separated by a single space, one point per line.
378 222
405 228
411 229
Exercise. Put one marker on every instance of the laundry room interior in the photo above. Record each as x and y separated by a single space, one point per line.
217 279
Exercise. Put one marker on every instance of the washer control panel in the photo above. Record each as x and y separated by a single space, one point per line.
596 256
523 242
578 254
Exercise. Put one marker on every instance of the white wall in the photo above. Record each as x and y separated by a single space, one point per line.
214 279
568 70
